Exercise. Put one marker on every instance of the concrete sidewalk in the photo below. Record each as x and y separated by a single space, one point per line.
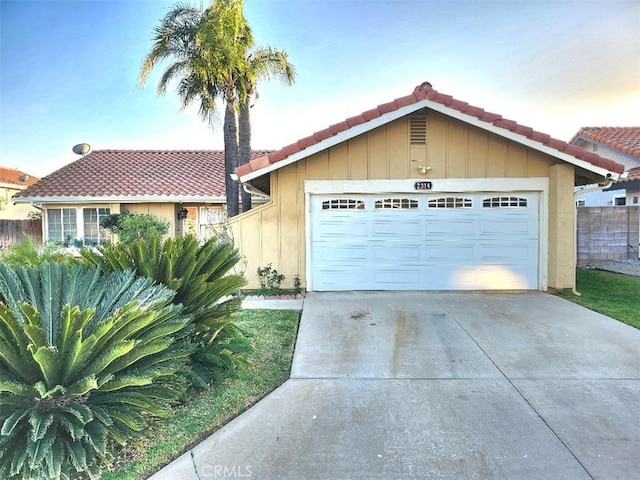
440 385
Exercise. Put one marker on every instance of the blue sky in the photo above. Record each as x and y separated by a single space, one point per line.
69 69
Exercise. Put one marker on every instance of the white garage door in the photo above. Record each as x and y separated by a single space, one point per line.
476 241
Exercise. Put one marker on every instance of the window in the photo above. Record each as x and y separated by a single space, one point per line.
635 200
496 202
621 201
61 224
94 234
343 204
450 202
581 202
396 203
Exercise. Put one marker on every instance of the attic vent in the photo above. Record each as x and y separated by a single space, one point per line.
418 128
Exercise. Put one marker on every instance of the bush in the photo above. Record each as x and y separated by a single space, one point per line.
86 363
208 292
131 227
29 253
270 280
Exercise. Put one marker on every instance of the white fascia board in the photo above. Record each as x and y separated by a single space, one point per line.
518 138
123 199
336 139
438 107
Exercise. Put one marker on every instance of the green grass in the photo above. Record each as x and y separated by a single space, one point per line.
612 294
274 333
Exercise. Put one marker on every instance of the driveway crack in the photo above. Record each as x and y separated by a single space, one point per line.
193 462
526 400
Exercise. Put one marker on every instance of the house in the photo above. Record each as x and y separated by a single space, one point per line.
425 192
184 188
622 145
13 181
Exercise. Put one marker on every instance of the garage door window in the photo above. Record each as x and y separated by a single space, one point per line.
498 202
451 202
343 204
397 203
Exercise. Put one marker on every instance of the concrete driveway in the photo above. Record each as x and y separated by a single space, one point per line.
403 385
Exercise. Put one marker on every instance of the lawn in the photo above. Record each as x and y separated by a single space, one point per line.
612 294
274 333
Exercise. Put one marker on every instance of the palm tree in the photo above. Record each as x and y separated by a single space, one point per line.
261 64
210 57
206 48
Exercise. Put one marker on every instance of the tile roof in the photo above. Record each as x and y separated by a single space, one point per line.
624 139
126 173
632 175
422 93
13 176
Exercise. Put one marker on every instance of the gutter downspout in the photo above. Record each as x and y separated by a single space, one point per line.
250 189
599 188
42 218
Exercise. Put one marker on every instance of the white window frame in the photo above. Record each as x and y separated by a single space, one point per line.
79 218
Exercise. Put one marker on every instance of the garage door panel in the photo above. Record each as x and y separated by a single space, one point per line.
508 226
452 251
508 253
346 253
343 227
431 242
393 228
404 253
397 278
451 227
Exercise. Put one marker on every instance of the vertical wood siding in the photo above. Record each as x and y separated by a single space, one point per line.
275 233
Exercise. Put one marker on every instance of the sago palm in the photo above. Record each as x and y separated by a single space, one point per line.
205 286
87 361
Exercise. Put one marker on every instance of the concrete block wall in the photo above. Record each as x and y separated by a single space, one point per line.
607 233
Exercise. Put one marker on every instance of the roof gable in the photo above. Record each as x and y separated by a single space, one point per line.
425 95
104 175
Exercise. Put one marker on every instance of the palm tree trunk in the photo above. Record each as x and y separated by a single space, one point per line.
231 155
244 134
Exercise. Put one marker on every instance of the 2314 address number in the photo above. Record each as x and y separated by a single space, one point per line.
423 185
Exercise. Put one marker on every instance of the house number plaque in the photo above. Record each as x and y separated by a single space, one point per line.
423 185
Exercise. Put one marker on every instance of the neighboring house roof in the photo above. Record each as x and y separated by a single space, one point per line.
135 175
624 139
11 177
632 175
425 95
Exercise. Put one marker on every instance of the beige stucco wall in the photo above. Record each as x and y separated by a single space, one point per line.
11 211
275 233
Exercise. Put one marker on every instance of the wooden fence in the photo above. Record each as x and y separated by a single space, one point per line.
12 231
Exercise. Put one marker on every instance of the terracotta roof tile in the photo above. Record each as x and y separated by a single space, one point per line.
426 91
107 173
13 176
631 175
624 139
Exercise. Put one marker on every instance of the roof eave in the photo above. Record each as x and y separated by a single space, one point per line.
336 139
523 140
123 199
438 107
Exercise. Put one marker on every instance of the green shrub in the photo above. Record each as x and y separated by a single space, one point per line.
29 253
270 280
132 227
86 363
208 292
